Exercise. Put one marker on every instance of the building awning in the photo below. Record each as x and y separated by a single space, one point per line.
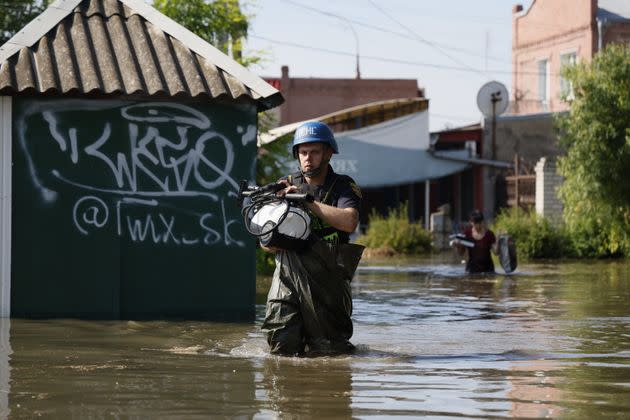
391 153
464 156
374 166
368 114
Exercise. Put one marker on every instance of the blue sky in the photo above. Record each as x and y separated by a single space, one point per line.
452 47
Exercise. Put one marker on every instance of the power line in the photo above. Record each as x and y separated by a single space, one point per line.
386 60
496 20
431 44
388 31
415 38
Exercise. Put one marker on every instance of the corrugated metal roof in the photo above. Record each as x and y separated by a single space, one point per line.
614 10
122 48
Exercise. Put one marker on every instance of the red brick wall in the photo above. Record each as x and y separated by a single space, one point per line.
617 33
547 30
312 97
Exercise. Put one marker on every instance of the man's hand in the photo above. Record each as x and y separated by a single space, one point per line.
346 219
271 249
288 190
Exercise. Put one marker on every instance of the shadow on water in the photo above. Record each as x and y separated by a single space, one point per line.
551 340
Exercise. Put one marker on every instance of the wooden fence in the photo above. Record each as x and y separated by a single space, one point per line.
521 186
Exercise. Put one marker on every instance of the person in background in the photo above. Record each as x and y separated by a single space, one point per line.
479 258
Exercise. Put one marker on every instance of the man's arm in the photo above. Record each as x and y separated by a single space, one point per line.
345 219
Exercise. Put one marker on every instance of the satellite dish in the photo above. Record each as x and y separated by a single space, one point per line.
493 99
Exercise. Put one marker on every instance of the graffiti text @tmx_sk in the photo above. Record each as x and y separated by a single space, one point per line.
153 172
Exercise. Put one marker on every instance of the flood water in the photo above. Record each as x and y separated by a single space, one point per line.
552 340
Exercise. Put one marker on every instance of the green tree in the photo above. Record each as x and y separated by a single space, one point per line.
273 159
219 22
15 14
596 135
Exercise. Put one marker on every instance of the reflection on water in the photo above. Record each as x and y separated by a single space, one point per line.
551 340
5 352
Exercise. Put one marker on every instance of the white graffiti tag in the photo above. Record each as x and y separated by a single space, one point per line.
150 224
170 150
148 156
89 211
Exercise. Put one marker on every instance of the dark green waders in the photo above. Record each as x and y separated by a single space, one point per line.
309 306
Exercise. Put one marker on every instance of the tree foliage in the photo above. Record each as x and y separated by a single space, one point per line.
219 22
15 14
273 159
596 168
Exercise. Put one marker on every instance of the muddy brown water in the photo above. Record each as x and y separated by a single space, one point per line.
552 340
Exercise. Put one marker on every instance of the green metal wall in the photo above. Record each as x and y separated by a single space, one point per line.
126 210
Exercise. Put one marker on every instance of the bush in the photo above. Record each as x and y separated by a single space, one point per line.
600 234
535 237
265 262
396 232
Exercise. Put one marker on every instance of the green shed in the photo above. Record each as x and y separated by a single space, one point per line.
122 140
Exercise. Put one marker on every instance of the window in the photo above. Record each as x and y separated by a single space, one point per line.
543 81
566 88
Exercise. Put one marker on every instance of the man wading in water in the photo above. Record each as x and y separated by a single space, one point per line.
309 303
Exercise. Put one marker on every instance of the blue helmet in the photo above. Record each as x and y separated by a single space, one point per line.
314 132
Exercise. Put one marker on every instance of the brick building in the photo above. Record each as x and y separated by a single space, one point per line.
307 98
552 34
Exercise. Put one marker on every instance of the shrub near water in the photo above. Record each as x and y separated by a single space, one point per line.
396 233
535 237
265 262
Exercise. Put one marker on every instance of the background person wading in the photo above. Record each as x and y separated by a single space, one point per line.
483 240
